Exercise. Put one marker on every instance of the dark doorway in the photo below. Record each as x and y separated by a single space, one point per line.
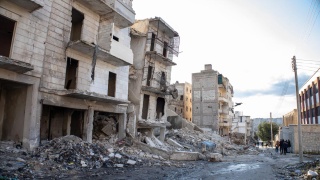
112 84
76 27
165 49
71 74
76 123
145 106
160 107
153 38
6 35
150 68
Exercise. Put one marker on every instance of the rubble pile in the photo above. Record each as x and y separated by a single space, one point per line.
304 170
105 128
74 153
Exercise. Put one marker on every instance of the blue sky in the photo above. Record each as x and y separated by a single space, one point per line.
249 41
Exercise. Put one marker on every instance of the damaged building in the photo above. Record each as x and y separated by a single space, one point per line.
64 68
183 104
212 105
154 43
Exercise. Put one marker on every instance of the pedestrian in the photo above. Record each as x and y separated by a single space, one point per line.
285 147
289 146
277 146
281 146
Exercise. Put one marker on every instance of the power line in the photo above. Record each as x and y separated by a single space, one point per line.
309 60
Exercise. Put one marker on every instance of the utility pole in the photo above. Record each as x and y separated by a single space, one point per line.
271 130
294 67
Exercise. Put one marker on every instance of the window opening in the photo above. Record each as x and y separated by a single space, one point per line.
112 84
165 49
115 38
76 25
145 106
71 74
6 35
153 38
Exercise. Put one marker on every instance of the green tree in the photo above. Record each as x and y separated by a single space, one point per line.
264 130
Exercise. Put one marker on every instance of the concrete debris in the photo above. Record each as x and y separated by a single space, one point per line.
214 157
174 143
184 156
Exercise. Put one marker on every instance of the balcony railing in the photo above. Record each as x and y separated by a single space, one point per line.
120 10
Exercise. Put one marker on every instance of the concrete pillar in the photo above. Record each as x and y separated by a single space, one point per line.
67 122
88 125
31 129
122 125
162 135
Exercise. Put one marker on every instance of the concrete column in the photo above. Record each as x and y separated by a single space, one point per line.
122 125
31 129
88 125
67 122
162 135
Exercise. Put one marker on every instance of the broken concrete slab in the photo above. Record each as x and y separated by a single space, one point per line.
174 143
184 156
150 142
153 150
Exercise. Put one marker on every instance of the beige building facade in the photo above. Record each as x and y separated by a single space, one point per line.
182 105
63 65
154 44
290 118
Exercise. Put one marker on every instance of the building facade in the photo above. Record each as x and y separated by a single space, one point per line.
242 124
64 65
182 105
309 99
212 101
290 118
154 43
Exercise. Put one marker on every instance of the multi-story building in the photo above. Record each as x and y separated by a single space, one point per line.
62 65
212 100
290 118
154 43
242 124
310 98
182 105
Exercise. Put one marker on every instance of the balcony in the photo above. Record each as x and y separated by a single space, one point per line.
155 90
121 11
160 58
224 122
14 65
119 55
29 5
223 98
223 111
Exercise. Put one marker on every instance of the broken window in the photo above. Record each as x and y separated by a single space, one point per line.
76 126
112 84
76 26
160 107
71 74
153 38
150 68
163 81
145 106
6 35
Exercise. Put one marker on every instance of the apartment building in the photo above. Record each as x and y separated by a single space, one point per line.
63 64
154 43
242 124
212 100
182 105
310 98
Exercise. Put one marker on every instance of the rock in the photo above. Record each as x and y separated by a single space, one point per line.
111 155
131 162
118 156
118 165
214 157
83 164
184 156
150 142
20 159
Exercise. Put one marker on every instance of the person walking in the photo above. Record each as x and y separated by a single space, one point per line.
277 146
285 147
281 146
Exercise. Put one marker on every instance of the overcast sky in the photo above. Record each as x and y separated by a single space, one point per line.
251 42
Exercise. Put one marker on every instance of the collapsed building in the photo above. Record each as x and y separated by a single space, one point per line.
64 65
154 43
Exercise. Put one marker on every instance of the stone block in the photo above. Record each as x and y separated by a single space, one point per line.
184 156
